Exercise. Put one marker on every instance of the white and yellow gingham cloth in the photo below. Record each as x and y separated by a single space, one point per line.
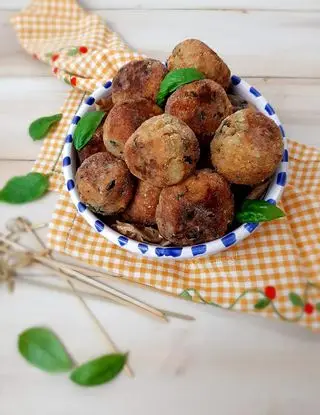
275 272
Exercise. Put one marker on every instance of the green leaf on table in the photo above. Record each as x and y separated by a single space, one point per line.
22 189
100 370
262 303
296 299
42 348
39 128
256 211
318 306
174 79
86 128
186 295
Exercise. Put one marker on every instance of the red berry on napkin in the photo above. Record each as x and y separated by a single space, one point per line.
54 57
270 292
308 308
83 49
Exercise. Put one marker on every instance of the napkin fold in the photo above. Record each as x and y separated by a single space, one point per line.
275 272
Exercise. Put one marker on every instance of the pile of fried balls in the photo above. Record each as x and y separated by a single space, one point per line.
175 168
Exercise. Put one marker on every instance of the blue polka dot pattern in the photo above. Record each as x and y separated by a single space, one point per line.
123 240
282 131
235 80
229 239
75 119
198 249
70 185
107 84
90 101
255 92
282 178
174 252
81 207
272 201
143 248
269 109
66 161
285 156
250 227
99 225
69 138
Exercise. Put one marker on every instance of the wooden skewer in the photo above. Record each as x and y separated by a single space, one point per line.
28 279
112 292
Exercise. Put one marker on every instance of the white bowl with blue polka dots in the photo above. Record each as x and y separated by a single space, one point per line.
273 194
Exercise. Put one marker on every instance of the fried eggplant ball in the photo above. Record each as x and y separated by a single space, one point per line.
247 147
142 208
138 79
193 53
104 184
202 105
95 145
123 120
163 151
198 210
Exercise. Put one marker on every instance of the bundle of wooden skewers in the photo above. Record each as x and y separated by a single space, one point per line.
15 256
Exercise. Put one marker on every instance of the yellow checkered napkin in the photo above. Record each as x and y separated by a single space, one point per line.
275 272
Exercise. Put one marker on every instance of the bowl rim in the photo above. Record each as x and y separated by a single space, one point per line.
273 194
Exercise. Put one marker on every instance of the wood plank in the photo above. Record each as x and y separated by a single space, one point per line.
255 43
184 4
296 100
22 101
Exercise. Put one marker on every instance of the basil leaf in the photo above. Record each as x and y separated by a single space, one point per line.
86 127
174 79
39 128
296 299
318 306
100 370
255 211
262 303
41 347
22 189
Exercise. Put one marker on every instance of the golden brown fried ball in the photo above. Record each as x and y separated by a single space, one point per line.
163 151
247 147
138 79
197 210
142 208
202 105
123 120
95 145
104 184
193 53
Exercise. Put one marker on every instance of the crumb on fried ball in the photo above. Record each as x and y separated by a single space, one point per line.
104 104
202 105
123 120
247 147
163 151
192 53
95 145
142 208
138 79
198 210
104 184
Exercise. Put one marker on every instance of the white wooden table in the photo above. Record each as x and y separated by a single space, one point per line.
224 363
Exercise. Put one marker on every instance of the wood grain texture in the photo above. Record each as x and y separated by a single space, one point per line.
282 5
273 44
